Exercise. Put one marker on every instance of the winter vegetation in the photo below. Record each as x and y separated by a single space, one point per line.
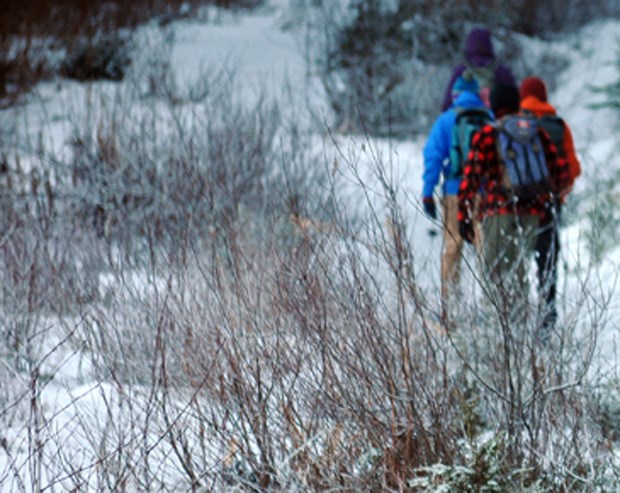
214 283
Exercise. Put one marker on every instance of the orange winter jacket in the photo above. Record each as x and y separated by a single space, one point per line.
539 108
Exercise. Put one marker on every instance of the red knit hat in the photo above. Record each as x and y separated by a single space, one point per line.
533 86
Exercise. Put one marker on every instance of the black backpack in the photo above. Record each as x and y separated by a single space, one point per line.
521 152
555 127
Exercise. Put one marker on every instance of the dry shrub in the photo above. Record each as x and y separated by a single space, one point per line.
245 330
91 35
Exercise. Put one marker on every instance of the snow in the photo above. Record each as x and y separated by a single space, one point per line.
265 57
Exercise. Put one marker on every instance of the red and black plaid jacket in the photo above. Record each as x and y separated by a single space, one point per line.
483 175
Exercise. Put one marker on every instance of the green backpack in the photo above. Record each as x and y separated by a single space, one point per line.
468 122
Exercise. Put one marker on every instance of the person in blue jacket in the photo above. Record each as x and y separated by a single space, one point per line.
465 94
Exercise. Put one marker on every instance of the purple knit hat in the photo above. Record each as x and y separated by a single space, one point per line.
479 47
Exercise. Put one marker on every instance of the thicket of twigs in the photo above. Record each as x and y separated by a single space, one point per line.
193 287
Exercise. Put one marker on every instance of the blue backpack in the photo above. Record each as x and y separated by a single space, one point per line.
521 152
468 122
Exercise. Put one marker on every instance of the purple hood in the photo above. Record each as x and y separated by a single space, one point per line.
479 47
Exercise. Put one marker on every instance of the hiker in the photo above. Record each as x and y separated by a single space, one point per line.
514 170
533 91
479 58
444 156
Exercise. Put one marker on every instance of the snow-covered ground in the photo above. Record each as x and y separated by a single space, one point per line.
265 57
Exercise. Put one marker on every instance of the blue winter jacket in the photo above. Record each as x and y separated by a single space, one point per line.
437 148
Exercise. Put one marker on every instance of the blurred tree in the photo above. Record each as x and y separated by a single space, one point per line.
611 91
386 61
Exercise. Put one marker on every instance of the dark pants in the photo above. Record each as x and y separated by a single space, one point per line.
547 252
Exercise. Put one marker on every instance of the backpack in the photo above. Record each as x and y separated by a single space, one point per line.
554 126
526 175
468 122
485 76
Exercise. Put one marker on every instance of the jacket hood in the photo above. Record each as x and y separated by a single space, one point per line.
479 47
468 99
539 108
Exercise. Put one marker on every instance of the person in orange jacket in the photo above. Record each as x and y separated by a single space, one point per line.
533 91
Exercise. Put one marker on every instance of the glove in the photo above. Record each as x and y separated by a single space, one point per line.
429 207
466 231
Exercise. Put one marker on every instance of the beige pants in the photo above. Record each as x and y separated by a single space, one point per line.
452 245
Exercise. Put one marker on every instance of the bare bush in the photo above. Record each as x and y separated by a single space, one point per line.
307 368
91 37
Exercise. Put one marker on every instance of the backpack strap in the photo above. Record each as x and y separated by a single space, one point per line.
492 66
